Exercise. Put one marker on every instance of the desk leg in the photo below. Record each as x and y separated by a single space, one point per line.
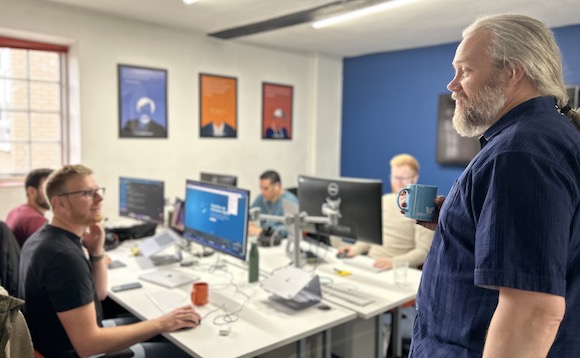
396 327
327 344
379 336
300 348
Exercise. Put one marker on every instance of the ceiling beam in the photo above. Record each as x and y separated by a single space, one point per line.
300 17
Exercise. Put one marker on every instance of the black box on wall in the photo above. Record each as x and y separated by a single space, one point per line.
452 149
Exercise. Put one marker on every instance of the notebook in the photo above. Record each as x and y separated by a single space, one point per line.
168 278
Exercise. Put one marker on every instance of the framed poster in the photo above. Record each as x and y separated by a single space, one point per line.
142 102
218 112
276 111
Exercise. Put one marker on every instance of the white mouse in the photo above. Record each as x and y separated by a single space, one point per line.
225 330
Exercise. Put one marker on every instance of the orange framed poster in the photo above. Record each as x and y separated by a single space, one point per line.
218 112
277 111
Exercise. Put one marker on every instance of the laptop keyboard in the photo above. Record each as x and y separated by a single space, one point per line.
163 239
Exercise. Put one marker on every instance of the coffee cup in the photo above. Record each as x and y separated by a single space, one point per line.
199 293
420 201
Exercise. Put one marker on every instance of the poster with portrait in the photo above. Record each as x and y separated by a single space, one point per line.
142 102
276 111
218 112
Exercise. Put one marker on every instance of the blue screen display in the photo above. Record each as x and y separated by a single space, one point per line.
217 217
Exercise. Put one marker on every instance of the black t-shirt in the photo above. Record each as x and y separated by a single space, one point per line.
55 276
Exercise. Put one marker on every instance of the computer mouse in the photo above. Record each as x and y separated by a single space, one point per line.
342 255
225 330
323 307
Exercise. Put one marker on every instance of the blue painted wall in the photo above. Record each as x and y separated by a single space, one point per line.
390 107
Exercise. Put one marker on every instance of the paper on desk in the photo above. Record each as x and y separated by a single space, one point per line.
167 300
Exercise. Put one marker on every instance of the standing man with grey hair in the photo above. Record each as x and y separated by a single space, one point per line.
502 278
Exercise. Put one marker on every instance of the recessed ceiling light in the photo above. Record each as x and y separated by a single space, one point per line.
189 2
387 5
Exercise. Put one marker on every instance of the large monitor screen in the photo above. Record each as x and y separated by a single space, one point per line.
358 202
216 216
219 178
142 199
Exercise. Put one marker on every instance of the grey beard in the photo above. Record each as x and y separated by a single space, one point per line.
480 114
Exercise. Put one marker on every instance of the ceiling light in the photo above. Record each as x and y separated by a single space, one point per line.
360 12
189 2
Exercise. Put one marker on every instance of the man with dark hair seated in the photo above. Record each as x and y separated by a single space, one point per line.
25 219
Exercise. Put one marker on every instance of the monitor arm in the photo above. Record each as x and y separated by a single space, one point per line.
298 221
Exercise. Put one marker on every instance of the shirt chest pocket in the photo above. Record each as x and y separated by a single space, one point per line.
450 204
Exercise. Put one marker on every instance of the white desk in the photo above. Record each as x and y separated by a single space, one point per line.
263 324
379 286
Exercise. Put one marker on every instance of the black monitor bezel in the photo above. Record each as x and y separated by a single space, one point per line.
136 217
325 230
225 179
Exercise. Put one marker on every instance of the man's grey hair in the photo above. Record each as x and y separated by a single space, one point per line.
518 39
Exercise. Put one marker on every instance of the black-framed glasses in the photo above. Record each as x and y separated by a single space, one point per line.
88 193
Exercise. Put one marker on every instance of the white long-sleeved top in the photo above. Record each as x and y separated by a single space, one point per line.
403 239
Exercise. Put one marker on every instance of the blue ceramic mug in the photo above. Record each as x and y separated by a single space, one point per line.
420 200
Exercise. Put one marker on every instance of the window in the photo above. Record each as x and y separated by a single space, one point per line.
33 121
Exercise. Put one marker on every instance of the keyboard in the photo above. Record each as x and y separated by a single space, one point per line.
346 294
365 265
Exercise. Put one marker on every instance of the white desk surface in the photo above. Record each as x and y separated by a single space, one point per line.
263 324
379 286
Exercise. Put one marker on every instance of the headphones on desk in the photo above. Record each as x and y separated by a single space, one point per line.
269 237
111 240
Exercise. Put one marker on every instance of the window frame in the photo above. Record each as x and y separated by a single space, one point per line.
17 179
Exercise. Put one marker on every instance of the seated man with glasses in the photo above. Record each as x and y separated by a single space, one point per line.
63 287
403 239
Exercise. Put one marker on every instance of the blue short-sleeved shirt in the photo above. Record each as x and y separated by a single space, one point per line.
275 208
512 219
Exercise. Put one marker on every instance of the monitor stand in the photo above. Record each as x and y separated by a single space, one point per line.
205 252
160 260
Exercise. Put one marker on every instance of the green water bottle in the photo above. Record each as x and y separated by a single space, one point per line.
254 271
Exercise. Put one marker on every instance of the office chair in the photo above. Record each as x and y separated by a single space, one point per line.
9 260
15 338
293 190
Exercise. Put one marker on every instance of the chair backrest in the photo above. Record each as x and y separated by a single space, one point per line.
293 190
9 259
15 341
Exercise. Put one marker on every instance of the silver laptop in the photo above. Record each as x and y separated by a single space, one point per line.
154 244
169 278
293 287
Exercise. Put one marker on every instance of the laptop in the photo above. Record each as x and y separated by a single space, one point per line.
168 278
293 287
157 243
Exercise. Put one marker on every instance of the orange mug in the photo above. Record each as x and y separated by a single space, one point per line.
199 293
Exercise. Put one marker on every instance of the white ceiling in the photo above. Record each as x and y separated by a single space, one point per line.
423 23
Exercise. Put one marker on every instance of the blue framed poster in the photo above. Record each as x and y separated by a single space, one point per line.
142 102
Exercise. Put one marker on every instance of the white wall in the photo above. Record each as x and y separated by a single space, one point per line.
99 42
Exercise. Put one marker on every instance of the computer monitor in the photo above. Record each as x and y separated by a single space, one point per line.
216 216
358 201
142 199
219 178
